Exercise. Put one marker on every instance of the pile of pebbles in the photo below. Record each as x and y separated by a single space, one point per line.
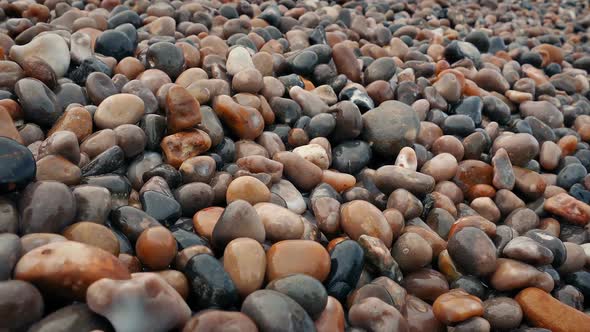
289 165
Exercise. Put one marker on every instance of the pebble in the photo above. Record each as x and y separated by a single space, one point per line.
405 149
457 306
22 304
18 166
297 256
117 110
544 311
117 301
244 260
67 269
272 311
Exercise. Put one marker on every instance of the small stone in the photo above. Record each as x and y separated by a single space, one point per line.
183 145
247 188
211 285
17 165
370 221
376 315
46 206
244 260
273 311
238 220
569 208
93 234
156 248
457 306
308 292
119 109
297 256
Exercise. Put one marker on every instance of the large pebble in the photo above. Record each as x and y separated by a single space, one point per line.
144 302
67 269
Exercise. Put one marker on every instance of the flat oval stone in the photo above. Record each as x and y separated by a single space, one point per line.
389 178
473 251
119 109
46 206
569 208
55 266
302 173
457 306
93 234
21 303
527 250
511 274
308 292
17 165
38 102
370 221
543 310
212 286
111 298
521 147
244 260
297 256
75 317
273 311
247 188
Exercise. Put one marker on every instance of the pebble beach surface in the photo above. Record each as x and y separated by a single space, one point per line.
294 165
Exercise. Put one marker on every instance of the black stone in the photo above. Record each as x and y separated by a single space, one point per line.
17 165
347 259
114 43
351 156
550 242
211 286
162 207
132 221
106 162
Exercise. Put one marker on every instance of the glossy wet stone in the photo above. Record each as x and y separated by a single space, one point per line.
372 222
545 311
10 252
119 109
511 274
481 261
38 102
18 165
156 247
239 219
347 259
211 285
297 256
110 298
52 268
457 306
308 292
244 260
272 310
